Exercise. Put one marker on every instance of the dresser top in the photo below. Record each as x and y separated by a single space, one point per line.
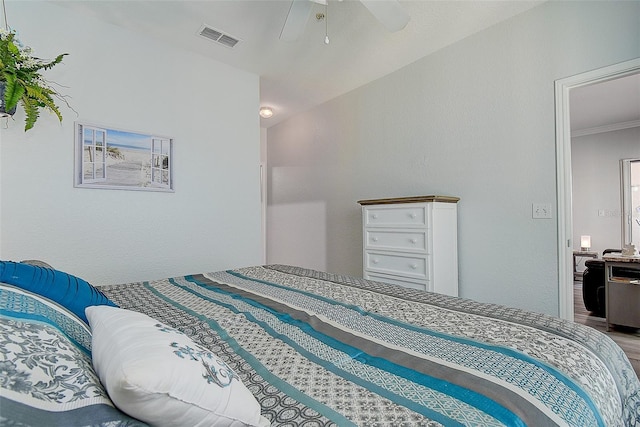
413 199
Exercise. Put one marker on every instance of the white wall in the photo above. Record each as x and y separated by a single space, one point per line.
474 120
263 195
119 78
635 202
595 165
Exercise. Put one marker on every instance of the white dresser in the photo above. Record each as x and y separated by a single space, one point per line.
412 241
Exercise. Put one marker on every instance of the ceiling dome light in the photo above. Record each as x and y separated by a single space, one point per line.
266 112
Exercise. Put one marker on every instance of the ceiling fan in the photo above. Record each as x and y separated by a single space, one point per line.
389 12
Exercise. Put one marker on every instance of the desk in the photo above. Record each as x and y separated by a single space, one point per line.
584 254
623 293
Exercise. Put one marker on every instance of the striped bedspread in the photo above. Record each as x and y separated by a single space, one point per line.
321 349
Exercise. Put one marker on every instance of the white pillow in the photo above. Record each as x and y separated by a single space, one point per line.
159 375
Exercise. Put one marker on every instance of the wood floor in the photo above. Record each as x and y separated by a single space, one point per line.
627 338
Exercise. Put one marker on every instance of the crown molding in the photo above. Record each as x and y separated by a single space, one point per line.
605 128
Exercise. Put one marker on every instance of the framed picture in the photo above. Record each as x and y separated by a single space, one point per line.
120 159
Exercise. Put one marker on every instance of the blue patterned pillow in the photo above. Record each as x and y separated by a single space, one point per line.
19 303
69 291
47 378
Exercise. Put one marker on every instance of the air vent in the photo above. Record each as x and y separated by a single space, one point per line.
218 36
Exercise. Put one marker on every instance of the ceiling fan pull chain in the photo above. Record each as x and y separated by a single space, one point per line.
326 22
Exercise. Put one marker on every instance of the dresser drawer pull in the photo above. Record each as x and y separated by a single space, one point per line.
375 261
374 239
412 215
413 266
374 216
414 241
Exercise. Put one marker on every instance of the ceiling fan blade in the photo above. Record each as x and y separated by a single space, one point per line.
389 12
296 20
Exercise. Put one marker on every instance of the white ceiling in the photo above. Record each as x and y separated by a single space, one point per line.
613 102
296 76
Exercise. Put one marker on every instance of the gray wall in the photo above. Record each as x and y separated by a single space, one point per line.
474 120
595 165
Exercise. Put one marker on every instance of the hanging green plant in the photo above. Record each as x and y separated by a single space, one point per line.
20 72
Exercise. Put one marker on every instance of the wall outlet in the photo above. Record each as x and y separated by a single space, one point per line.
541 210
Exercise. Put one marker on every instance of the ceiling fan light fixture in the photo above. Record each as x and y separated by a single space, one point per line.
266 112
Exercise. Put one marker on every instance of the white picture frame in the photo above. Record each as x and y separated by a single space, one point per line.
116 159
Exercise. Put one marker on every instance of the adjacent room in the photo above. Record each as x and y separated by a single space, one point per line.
356 212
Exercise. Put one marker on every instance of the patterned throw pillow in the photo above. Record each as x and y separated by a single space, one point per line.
69 291
46 376
159 375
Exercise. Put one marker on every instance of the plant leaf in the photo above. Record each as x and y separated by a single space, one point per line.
42 97
13 92
31 111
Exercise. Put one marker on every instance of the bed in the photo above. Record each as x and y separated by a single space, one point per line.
320 349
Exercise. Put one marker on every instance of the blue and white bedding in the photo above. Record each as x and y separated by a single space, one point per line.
323 349
318 349
46 374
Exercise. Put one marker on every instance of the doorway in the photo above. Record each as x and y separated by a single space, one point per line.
563 172
630 201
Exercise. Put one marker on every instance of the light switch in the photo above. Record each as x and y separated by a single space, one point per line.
541 210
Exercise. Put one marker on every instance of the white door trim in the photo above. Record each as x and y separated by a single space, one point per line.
563 172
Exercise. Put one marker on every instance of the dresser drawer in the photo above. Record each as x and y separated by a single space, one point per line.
415 241
396 216
396 280
408 266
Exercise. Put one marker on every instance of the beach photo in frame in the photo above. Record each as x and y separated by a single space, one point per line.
112 158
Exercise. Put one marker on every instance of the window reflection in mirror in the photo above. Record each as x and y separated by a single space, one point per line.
630 201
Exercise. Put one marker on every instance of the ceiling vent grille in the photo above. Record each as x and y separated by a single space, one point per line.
218 36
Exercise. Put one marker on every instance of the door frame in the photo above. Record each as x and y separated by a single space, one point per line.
563 172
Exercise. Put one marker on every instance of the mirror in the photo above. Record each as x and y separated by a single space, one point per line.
630 186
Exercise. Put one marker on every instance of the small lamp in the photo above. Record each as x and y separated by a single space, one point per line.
585 243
